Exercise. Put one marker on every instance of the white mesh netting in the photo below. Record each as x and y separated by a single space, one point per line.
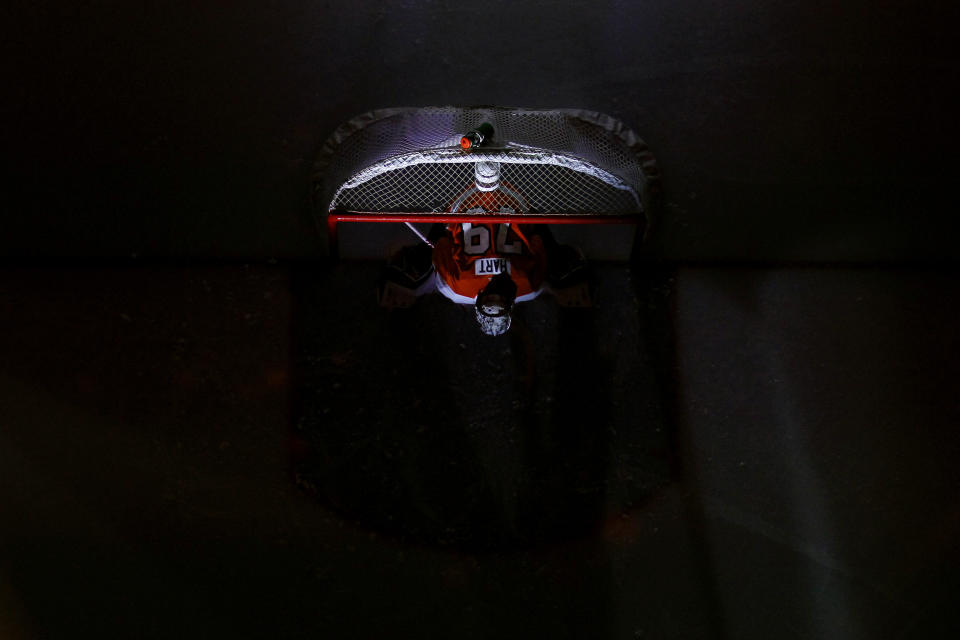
551 162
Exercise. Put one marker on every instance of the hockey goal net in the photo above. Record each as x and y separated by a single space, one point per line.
546 166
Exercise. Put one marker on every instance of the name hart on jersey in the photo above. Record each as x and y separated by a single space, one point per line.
492 266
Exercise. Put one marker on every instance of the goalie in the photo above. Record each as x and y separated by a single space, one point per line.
492 265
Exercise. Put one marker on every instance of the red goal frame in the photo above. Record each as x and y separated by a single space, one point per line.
337 216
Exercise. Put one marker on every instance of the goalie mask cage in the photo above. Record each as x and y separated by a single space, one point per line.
558 166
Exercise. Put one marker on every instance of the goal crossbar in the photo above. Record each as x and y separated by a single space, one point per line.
335 217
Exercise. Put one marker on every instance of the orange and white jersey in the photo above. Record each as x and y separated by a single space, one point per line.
480 251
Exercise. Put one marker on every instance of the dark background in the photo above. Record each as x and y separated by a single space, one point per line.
753 434
785 130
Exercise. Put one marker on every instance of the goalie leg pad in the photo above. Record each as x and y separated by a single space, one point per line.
566 267
407 275
577 295
391 295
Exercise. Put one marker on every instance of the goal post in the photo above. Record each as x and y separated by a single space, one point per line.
559 166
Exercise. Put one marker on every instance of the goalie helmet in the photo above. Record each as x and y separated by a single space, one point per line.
494 303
